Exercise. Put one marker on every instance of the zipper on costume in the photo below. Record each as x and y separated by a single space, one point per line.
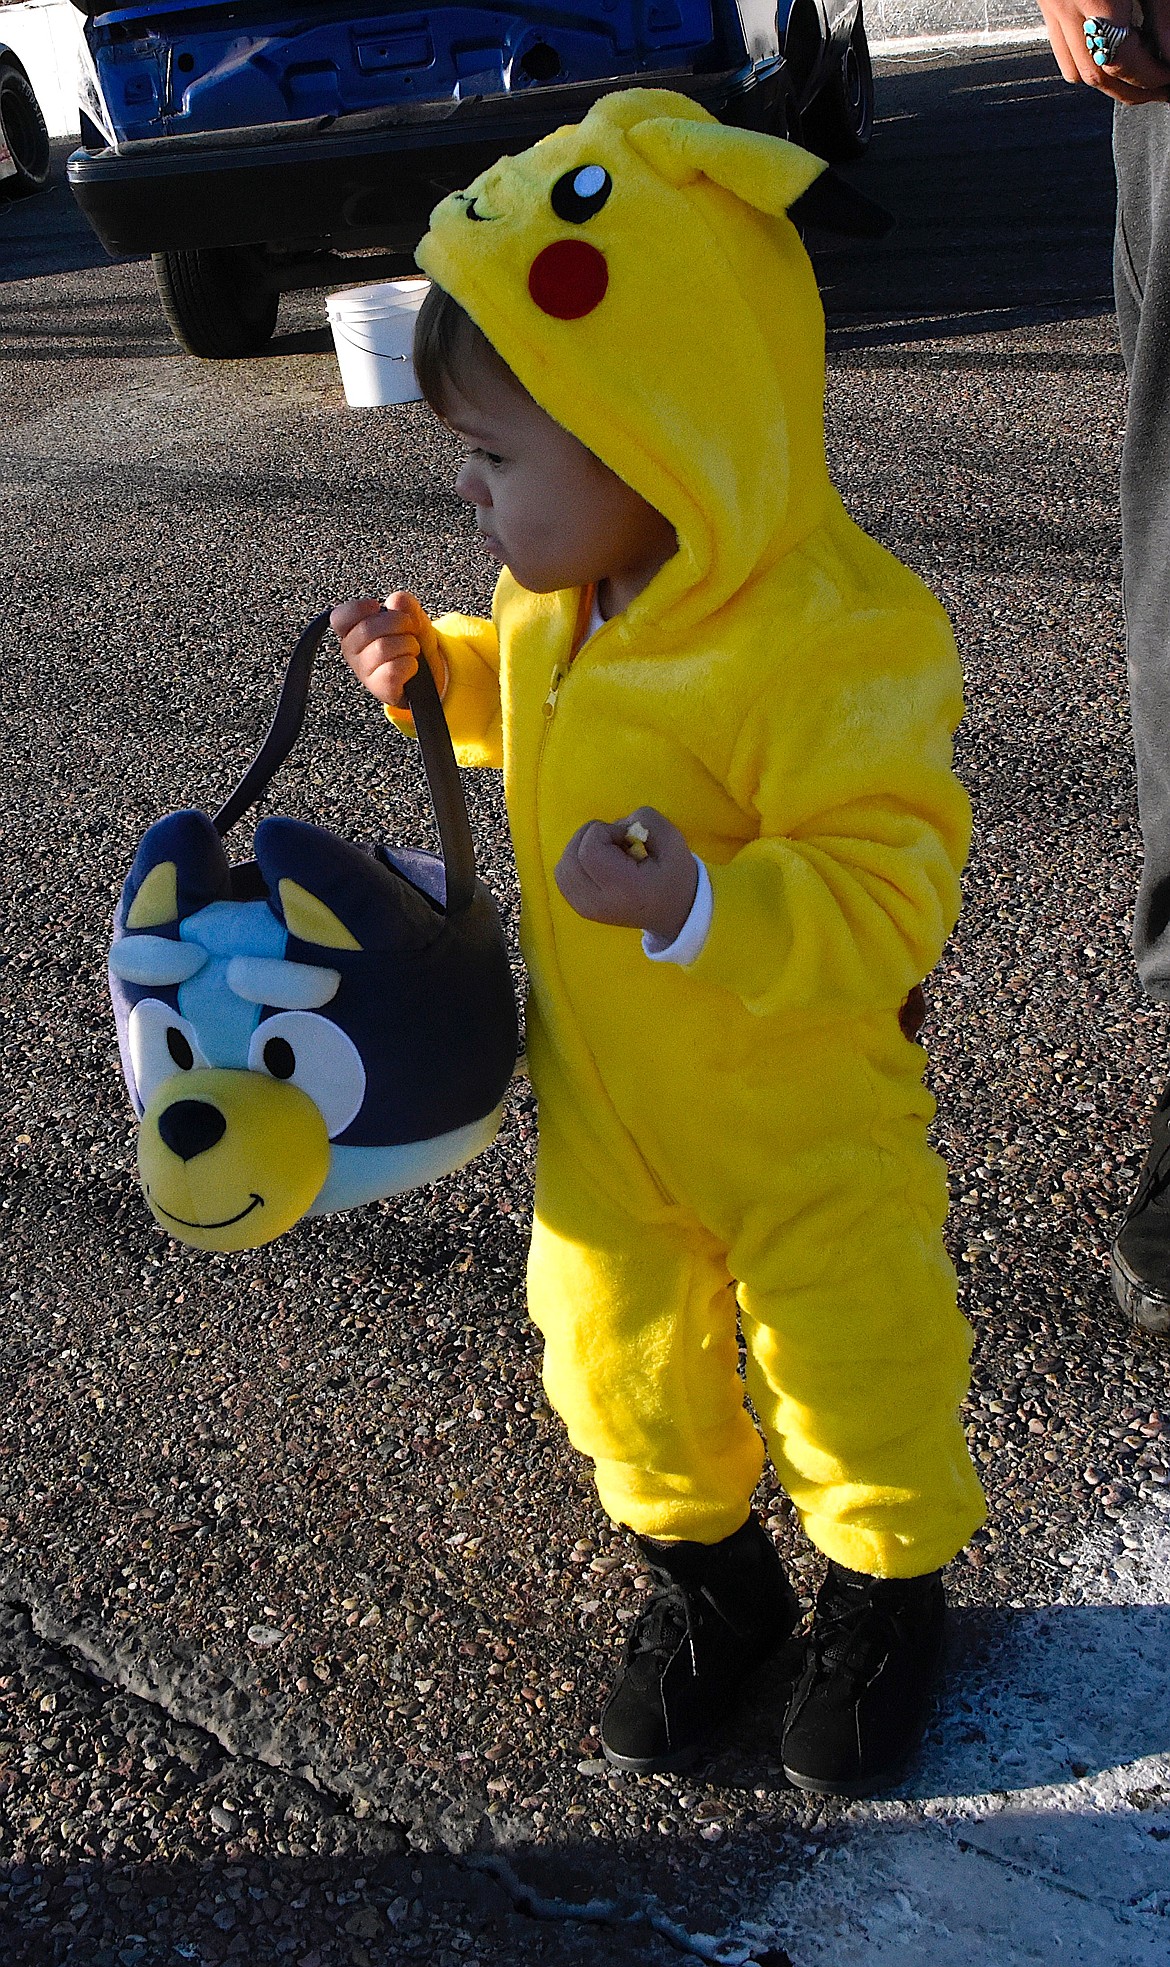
549 708
554 689
561 669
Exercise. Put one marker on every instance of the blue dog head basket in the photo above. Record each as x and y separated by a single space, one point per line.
316 1027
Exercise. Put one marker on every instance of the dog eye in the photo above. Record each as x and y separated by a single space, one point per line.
315 1055
580 194
161 1043
179 1047
279 1058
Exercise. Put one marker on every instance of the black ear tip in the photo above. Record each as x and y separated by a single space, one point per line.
832 205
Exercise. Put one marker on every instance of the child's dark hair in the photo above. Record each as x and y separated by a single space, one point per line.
447 345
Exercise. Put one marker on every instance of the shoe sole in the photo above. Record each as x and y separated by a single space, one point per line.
1147 1310
885 1779
660 1765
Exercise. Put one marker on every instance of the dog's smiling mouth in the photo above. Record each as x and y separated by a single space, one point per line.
257 1202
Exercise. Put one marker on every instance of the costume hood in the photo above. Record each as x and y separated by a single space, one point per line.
638 273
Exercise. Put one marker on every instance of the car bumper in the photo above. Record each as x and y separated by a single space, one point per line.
348 183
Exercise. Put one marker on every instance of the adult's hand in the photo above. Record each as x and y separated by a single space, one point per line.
1136 75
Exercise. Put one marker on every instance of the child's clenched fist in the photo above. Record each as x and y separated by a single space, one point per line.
603 881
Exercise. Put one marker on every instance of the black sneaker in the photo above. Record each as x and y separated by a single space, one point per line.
860 1706
1140 1257
723 1609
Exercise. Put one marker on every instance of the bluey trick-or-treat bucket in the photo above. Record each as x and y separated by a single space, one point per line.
316 1027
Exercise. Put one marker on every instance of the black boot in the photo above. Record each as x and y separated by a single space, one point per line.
1140 1257
723 1609
860 1706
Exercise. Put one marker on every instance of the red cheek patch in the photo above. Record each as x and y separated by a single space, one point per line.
568 279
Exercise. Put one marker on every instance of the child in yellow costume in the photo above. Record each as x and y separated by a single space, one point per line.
724 719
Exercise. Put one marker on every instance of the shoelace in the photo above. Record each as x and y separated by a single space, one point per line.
665 1622
852 1635
673 1615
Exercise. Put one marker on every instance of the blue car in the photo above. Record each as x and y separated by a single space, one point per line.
256 146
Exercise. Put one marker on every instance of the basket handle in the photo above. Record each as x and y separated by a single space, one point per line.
438 757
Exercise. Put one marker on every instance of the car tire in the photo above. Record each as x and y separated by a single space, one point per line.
217 302
785 120
838 123
24 133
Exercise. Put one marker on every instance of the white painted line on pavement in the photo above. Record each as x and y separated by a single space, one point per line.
965 37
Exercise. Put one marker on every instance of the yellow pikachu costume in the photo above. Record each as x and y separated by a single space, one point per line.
751 1127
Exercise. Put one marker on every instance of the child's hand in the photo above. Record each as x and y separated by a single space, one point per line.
598 876
382 642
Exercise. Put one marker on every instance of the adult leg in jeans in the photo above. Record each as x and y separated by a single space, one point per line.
1141 139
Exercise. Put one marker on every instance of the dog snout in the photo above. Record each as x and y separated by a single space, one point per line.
190 1127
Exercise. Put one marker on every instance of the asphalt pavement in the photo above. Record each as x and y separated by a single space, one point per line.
308 1608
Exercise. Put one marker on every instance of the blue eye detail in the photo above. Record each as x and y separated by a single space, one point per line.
580 194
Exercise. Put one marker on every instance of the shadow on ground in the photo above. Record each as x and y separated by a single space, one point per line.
46 234
1011 223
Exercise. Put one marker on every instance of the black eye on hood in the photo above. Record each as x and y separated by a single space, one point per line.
581 193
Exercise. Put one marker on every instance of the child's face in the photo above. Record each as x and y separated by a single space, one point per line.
547 509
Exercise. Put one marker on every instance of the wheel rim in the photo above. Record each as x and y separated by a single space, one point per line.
20 129
854 87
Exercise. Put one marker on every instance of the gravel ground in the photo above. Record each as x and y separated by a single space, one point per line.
309 1606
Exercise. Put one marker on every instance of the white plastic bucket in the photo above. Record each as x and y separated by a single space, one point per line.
373 328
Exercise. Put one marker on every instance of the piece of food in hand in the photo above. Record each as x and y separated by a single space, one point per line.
635 840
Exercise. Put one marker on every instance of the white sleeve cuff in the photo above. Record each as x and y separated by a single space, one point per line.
689 941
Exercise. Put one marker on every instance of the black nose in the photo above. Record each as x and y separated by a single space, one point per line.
190 1127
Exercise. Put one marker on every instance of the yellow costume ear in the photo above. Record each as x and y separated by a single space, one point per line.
312 920
157 901
765 172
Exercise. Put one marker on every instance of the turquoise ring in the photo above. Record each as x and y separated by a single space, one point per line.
1103 38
